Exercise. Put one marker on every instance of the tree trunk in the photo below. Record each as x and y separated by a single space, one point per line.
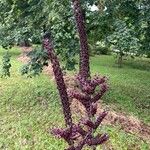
84 68
120 60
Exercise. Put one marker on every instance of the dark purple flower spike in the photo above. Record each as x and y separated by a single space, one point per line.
84 69
48 45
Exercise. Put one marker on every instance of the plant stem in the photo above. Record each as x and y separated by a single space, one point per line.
48 45
84 69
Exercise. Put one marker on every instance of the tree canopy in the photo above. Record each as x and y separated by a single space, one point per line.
125 21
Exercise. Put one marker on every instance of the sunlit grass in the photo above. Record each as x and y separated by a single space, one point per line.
129 87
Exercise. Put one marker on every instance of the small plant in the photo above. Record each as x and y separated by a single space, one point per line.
6 65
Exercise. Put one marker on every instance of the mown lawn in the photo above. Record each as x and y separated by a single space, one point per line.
29 108
129 85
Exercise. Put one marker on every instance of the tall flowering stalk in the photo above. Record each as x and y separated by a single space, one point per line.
80 134
48 45
84 69
87 95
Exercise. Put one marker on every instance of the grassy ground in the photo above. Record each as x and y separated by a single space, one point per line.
129 85
30 107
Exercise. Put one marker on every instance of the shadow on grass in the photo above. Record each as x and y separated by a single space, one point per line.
139 63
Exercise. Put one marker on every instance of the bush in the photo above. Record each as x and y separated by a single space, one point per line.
102 50
148 55
99 50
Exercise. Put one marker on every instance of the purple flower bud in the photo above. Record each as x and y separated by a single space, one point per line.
98 80
89 123
84 99
100 119
98 96
84 70
77 95
61 133
97 140
93 109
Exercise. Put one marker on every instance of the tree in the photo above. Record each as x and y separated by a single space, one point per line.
144 24
24 23
133 13
123 40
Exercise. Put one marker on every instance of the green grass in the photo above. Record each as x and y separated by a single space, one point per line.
129 86
31 107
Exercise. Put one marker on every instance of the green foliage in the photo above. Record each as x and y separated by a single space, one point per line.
24 25
148 54
6 65
70 64
132 13
123 40
102 50
38 59
21 22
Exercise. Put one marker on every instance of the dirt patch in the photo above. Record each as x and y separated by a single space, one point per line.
128 123
23 56
26 50
49 71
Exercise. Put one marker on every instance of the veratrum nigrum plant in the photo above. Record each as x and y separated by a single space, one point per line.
38 59
84 69
48 45
6 65
80 134
88 94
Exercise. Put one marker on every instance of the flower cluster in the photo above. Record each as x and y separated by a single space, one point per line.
81 134
77 132
88 95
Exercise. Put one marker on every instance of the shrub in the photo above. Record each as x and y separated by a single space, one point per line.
102 50
6 65
148 55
